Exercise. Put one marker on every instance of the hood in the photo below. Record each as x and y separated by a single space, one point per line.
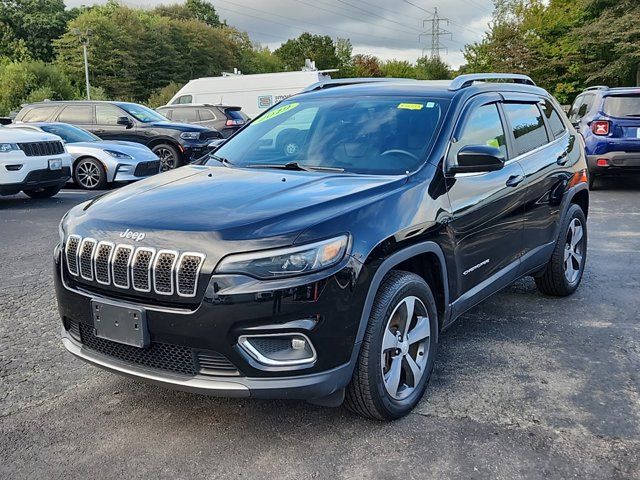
18 135
227 204
135 150
182 127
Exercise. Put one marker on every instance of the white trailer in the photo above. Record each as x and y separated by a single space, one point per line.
254 93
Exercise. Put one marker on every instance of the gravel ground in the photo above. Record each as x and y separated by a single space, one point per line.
524 386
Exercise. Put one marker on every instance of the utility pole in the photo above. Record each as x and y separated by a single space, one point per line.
84 40
435 33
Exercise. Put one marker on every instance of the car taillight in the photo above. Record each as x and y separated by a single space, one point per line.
600 127
602 162
234 123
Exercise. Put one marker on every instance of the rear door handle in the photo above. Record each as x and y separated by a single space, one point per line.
515 180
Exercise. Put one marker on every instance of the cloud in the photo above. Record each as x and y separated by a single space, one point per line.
385 28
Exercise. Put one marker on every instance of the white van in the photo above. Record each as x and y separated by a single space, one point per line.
35 163
254 93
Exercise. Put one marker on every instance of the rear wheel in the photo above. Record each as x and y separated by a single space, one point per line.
90 174
563 273
45 192
168 155
398 350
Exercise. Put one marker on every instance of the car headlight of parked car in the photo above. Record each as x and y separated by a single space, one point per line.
287 262
190 135
8 147
120 155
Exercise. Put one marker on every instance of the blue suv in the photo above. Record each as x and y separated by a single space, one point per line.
609 121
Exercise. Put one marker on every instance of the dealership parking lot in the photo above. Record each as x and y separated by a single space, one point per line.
524 385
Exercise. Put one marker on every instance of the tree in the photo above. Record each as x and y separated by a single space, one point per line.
315 47
31 81
161 96
432 68
344 52
250 57
398 69
27 27
366 66
191 10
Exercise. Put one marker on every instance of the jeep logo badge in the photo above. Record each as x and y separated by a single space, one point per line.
135 236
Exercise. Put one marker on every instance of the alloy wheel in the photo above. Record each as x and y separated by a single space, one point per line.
405 347
574 251
88 174
167 159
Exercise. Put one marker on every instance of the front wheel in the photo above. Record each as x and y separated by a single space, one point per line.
563 273
168 155
398 350
90 174
45 192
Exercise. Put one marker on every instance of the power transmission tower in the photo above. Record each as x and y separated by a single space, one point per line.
436 32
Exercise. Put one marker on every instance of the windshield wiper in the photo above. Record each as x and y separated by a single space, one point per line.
634 115
297 166
222 160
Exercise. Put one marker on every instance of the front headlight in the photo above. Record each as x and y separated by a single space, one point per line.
121 155
287 262
8 147
190 135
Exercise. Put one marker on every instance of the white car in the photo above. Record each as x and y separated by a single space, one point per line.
99 162
35 163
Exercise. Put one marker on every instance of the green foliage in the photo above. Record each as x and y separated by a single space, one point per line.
319 48
249 57
191 10
30 81
428 68
366 66
161 96
398 69
28 26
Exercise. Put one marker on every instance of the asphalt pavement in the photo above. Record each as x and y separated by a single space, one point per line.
525 386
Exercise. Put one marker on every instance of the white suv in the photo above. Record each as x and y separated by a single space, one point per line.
35 163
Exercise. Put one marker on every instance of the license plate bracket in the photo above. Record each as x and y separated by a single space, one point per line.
120 323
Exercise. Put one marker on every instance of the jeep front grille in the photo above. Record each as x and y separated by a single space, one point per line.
165 272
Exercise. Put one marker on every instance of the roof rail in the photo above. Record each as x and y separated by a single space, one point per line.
597 87
464 81
340 82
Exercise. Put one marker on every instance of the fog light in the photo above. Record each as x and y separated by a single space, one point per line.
291 349
602 162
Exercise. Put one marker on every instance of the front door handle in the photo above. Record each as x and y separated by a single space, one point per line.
563 157
515 180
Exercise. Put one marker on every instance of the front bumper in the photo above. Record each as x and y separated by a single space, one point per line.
327 312
42 178
619 163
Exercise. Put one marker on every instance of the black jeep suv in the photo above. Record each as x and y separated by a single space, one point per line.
174 143
331 272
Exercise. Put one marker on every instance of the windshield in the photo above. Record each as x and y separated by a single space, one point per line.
70 134
141 113
370 135
622 106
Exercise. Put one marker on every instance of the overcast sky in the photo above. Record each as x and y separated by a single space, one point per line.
386 28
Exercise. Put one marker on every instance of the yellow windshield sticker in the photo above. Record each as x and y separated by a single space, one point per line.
275 112
493 143
411 106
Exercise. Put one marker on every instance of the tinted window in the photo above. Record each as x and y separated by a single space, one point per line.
185 115
581 107
381 135
622 106
482 127
142 113
553 118
235 114
39 114
82 114
528 127
206 115
108 114
182 100
69 133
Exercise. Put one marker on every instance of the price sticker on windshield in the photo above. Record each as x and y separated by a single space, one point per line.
276 112
411 106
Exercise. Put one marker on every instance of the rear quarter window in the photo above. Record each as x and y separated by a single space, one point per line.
527 126
39 114
553 119
622 105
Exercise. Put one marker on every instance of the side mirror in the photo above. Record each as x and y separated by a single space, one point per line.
478 158
126 121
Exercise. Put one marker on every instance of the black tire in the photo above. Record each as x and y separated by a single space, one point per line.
45 192
89 174
169 156
554 280
367 394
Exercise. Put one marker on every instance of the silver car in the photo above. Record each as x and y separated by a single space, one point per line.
99 162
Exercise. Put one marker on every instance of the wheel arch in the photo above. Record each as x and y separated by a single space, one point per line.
160 140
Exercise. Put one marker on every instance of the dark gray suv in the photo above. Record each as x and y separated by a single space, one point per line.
223 118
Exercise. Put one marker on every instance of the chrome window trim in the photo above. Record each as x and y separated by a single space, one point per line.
113 277
66 254
95 259
80 251
197 274
171 274
149 268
